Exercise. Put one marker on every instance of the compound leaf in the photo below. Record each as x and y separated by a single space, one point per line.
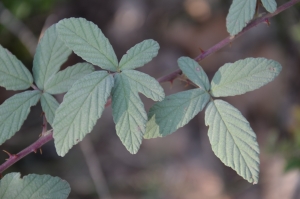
50 54
88 42
232 139
175 111
128 110
81 108
144 84
139 55
243 76
194 72
240 13
33 186
14 111
13 74
270 5
64 80
49 106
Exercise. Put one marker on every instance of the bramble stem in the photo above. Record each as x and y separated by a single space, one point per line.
228 40
170 77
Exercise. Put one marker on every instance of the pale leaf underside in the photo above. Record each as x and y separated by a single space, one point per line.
13 74
33 186
232 139
81 108
194 72
175 111
139 55
49 106
243 76
88 42
50 54
63 80
240 14
14 111
270 5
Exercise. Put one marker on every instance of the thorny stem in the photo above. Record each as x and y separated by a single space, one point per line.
170 77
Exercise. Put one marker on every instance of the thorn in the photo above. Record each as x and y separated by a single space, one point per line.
34 151
171 82
202 51
41 152
10 155
267 22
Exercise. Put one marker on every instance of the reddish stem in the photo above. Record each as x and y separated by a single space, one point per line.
170 77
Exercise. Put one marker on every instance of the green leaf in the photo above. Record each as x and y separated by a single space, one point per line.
139 55
88 42
64 80
49 106
128 110
194 72
14 111
240 13
81 108
50 54
175 111
243 76
232 139
270 5
33 186
13 74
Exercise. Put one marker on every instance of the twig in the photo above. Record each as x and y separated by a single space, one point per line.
44 139
95 168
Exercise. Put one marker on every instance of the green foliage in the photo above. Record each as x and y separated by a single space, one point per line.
14 111
243 76
232 139
63 80
270 5
80 109
33 187
88 42
50 54
240 13
13 74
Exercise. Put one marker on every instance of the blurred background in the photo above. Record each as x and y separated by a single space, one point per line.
181 165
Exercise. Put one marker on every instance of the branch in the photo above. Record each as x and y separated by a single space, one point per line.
49 136
228 40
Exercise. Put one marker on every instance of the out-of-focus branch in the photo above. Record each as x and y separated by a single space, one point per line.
15 26
95 168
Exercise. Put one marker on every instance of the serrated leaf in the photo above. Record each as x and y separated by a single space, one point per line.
64 80
81 108
175 111
194 72
50 54
139 55
232 139
128 110
33 186
270 5
13 74
14 111
49 106
145 84
88 42
243 76
240 14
